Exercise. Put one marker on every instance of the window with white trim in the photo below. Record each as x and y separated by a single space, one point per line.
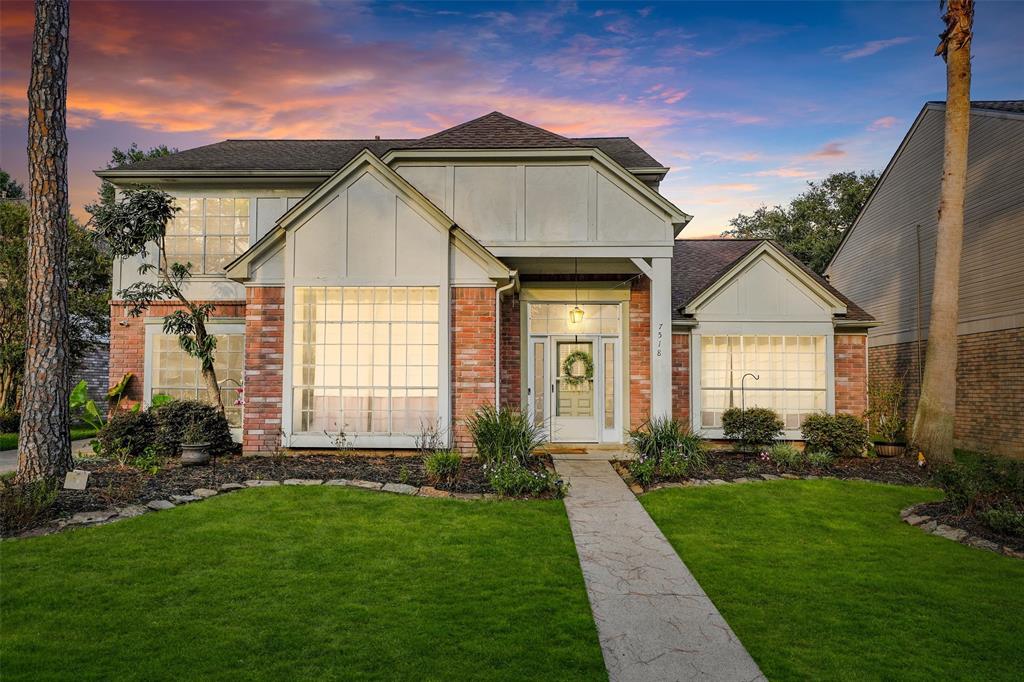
790 370
177 374
365 359
208 232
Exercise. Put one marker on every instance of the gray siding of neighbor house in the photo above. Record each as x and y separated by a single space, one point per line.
877 266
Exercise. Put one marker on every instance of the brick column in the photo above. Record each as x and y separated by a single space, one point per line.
264 368
639 352
851 373
472 348
681 377
511 352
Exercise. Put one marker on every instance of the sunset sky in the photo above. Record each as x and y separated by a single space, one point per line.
746 102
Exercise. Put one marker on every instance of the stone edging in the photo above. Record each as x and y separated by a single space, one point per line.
696 482
929 525
104 516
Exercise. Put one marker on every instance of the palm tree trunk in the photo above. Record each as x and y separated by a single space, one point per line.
45 444
936 409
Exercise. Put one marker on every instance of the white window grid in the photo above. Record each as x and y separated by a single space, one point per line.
553 318
208 232
178 374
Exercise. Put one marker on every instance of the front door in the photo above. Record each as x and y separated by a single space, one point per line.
574 407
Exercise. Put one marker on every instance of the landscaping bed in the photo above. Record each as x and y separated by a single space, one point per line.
112 485
944 513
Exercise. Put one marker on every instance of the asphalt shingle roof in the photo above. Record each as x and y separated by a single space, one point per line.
492 131
1015 106
699 263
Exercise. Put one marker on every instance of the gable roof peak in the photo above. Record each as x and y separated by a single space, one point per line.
494 131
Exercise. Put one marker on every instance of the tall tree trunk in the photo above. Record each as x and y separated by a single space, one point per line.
936 409
208 371
44 446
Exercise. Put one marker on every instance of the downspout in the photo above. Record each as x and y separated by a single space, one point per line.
513 275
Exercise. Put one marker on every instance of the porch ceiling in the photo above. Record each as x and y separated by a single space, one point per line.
570 265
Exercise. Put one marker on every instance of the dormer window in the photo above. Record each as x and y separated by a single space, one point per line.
208 232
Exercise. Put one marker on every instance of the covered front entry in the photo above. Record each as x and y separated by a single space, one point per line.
574 371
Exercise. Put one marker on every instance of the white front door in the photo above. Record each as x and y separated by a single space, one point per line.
574 405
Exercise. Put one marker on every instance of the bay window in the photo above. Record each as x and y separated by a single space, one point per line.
365 359
791 376
208 232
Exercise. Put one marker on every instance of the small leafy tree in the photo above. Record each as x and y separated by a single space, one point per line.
134 225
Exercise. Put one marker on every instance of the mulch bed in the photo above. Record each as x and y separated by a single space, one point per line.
944 513
729 466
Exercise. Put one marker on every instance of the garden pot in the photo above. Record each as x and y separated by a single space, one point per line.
195 453
890 449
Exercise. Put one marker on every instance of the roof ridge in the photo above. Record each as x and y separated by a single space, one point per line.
506 117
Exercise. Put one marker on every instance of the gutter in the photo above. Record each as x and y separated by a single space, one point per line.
513 280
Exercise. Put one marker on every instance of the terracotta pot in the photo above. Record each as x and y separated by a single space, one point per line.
890 449
195 453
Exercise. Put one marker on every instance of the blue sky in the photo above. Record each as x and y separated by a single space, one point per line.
745 101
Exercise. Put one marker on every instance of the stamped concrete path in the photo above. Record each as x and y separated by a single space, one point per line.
654 621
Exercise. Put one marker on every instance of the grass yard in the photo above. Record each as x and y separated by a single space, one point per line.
821 580
300 583
9 441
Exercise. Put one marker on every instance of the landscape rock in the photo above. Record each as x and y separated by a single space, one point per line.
225 487
929 526
429 491
88 517
717 481
184 499
981 543
304 481
1010 551
791 477
400 488
741 479
261 484
811 477
160 505
204 492
76 479
131 511
636 488
915 520
950 533
355 483
770 477
467 496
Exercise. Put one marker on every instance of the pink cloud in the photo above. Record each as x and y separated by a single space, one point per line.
785 172
848 52
831 150
883 123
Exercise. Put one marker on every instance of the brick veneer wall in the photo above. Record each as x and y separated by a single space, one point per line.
472 349
851 373
989 387
128 341
264 368
511 351
681 377
639 352
94 367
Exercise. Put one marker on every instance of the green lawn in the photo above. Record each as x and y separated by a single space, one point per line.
9 441
821 580
299 583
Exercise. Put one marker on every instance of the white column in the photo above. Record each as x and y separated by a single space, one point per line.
661 337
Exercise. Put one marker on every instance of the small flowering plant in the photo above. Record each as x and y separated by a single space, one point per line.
240 396
765 457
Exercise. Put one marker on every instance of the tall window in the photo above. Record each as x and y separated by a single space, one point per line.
177 374
208 232
790 370
365 359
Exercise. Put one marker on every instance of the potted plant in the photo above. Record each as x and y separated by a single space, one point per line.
195 446
885 398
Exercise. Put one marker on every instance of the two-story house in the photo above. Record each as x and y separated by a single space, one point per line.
377 286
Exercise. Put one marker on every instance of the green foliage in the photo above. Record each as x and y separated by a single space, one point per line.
10 421
128 433
642 470
656 436
126 157
84 408
510 478
837 434
677 463
753 427
443 465
988 488
22 506
9 187
786 456
885 414
813 224
1004 519
502 434
820 460
89 269
160 399
175 417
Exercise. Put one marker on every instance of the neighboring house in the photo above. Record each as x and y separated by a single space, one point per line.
886 262
377 286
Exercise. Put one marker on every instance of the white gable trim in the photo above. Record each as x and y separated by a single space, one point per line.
768 250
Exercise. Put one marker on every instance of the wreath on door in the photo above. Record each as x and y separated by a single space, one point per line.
569 366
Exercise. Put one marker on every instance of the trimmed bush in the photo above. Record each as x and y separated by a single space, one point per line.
502 434
752 427
128 433
443 465
173 419
982 484
838 434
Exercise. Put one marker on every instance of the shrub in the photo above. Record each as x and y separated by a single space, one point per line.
177 416
660 435
10 421
127 433
837 434
885 397
642 471
1004 519
443 465
677 463
820 460
23 505
983 484
753 427
502 434
786 456
510 478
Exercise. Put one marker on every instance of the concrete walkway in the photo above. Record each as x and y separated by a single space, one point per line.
9 458
653 620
